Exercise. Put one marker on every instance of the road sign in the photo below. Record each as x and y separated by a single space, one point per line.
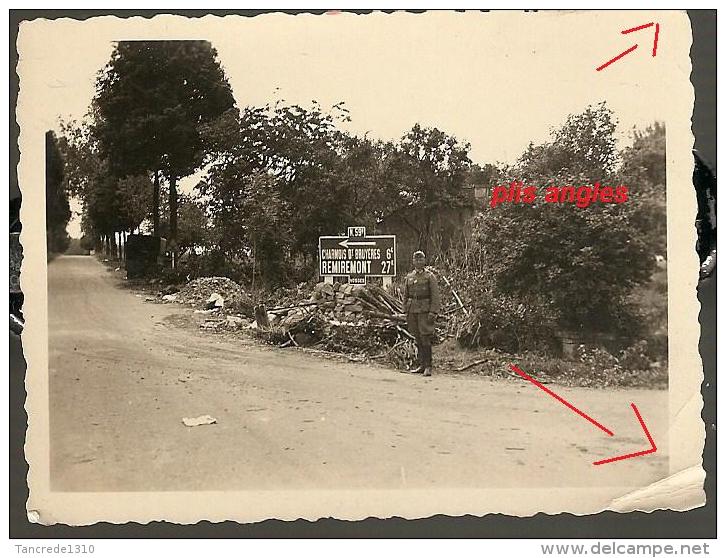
357 256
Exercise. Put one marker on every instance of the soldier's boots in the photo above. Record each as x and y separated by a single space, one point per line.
421 358
421 361
426 359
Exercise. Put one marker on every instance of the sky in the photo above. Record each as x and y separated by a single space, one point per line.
496 80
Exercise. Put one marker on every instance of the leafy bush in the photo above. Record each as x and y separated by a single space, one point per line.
214 264
504 323
636 357
597 358
599 369
584 263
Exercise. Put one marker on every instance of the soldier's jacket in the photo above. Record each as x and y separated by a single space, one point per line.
421 293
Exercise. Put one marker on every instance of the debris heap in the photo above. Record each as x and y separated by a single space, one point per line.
342 303
360 321
215 292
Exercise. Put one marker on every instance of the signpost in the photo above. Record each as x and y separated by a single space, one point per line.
357 256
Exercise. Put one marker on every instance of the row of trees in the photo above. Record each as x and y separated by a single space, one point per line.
285 175
145 126
277 177
57 206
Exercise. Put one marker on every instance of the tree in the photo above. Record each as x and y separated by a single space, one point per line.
304 154
83 164
583 146
644 171
193 225
579 264
111 205
132 200
288 154
428 170
484 175
83 172
361 172
268 232
57 207
153 100
319 179
646 157
434 166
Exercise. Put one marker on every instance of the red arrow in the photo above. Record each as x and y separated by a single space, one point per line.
632 48
565 403
652 449
587 417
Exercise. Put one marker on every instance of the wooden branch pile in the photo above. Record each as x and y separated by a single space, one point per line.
356 299
359 321
342 303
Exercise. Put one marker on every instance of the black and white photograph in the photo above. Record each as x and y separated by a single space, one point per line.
351 265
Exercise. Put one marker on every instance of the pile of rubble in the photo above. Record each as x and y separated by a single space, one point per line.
338 303
223 323
198 292
360 321
211 293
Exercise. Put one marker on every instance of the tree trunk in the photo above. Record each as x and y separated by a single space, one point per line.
112 245
172 220
254 262
427 242
156 203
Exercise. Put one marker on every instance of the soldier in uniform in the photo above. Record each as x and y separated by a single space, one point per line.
422 303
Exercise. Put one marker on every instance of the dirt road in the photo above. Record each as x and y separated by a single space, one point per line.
123 375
